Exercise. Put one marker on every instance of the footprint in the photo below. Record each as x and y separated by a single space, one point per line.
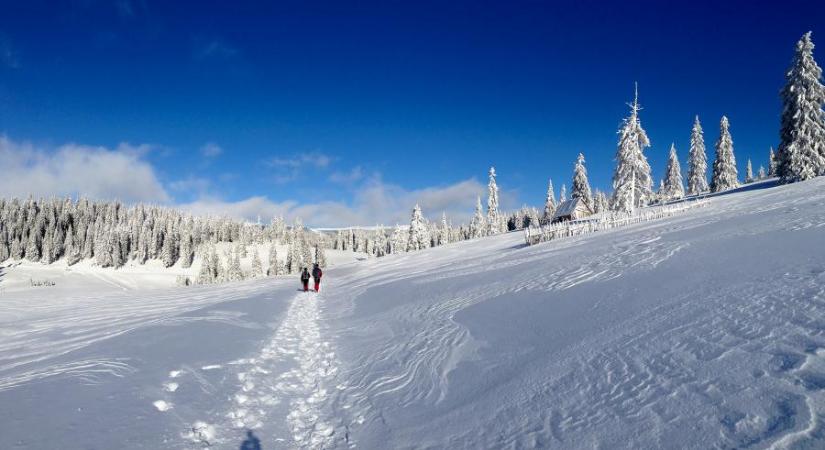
170 386
162 405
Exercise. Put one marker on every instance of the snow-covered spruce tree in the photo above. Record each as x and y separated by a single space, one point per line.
320 256
419 231
493 222
748 172
801 153
33 246
398 242
563 194
632 183
697 161
48 249
234 272
661 194
549 203
600 202
772 163
581 187
674 187
760 175
725 175
4 245
380 242
293 259
274 266
205 274
168 250
478 226
444 230
257 267
187 250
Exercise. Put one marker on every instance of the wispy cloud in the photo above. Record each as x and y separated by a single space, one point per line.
286 169
214 48
211 150
347 178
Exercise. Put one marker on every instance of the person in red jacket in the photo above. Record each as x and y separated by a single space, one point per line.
305 279
317 273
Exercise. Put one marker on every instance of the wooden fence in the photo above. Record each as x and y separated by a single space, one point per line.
605 221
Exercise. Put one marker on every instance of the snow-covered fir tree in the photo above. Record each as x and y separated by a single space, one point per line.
233 268
320 256
563 194
697 161
801 152
748 172
772 163
493 221
601 204
399 240
205 274
581 187
257 266
381 242
632 183
294 261
760 175
725 175
274 265
549 203
187 250
419 231
674 187
444 230
478 226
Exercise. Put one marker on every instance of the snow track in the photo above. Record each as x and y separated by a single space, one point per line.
288 391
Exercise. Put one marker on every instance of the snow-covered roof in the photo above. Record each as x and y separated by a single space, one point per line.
569 207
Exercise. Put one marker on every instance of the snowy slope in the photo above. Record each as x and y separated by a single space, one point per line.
704 330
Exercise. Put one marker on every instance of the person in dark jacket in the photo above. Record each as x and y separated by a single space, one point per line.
317 273
305 279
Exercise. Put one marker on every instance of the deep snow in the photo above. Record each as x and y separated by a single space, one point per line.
703 330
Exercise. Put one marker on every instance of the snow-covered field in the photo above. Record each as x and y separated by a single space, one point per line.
703 330
17 276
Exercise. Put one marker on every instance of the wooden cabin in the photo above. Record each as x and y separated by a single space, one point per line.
573 209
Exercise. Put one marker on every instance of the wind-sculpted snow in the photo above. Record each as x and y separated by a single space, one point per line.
699 331
36 329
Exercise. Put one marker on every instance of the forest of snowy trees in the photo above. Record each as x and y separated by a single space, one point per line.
111 234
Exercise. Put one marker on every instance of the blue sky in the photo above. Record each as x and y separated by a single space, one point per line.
349 112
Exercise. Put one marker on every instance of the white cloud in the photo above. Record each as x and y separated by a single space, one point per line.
291 168
211 150
374 203
305 159
96 172
354 175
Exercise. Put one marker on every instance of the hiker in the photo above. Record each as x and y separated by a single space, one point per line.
305 279
316 275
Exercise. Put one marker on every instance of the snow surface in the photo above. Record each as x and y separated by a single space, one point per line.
704 330
17 276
